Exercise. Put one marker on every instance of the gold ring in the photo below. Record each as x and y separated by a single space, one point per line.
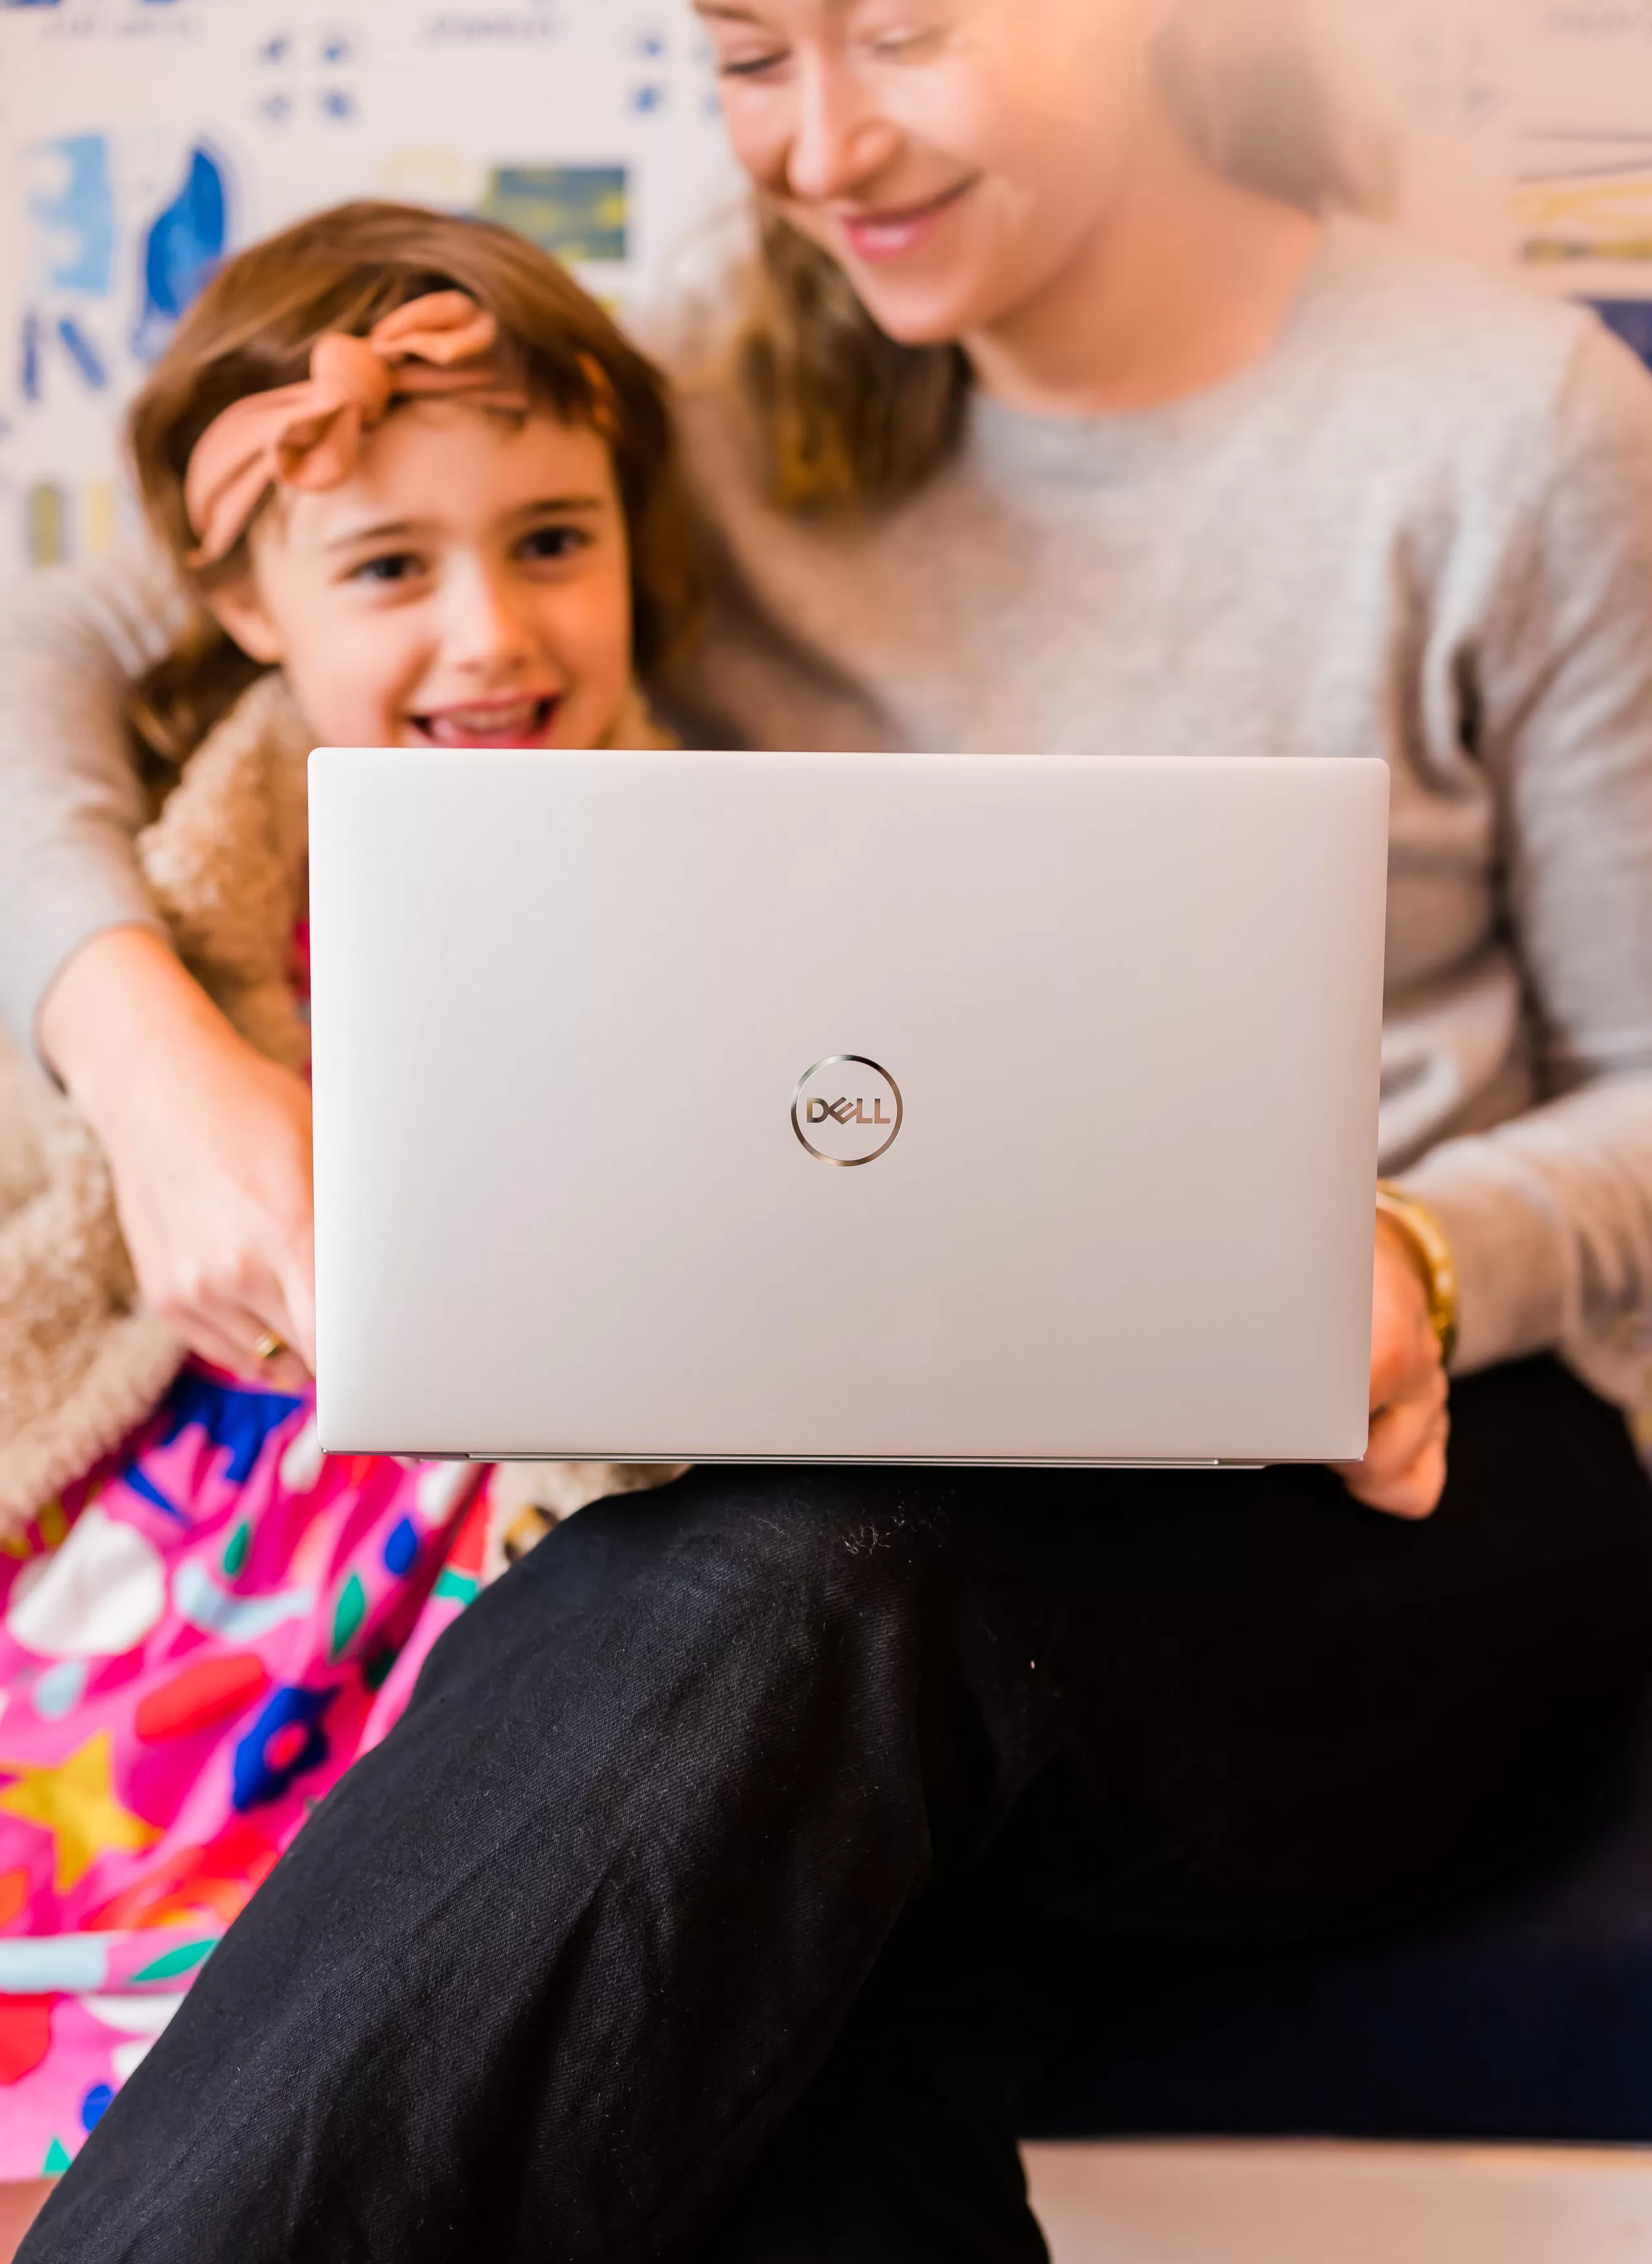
269 1347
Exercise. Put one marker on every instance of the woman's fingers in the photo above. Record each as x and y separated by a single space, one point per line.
284 1370
198 1335
1397 1431
1404 1349
227 1336
224 1315
1404 1472
297 1288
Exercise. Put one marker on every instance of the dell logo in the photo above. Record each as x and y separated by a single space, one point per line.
847 1110
844 1110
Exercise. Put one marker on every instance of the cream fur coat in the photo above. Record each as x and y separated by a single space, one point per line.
82 1360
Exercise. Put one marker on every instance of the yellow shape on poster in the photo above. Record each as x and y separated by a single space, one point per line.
48 528
97 517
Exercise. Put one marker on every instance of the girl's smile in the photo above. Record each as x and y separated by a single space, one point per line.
529 721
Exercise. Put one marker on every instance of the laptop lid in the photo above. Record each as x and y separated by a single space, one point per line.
715 1106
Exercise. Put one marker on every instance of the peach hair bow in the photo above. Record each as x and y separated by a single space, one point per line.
307 435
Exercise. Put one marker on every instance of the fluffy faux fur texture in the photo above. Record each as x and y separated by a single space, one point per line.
82 1360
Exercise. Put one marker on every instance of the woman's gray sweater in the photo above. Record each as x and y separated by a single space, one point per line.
1422 527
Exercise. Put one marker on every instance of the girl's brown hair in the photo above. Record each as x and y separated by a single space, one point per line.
253 327
849 415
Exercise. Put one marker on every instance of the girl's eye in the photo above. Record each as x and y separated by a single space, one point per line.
394 566
554 542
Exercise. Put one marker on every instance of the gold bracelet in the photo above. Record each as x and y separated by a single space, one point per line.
1431 1246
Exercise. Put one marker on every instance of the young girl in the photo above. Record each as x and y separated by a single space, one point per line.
426 493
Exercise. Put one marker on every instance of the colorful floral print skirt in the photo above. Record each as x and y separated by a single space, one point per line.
195 1644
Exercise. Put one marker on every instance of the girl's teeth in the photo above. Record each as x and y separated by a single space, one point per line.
500 724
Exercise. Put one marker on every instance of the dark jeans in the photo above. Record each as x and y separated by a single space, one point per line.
697 1907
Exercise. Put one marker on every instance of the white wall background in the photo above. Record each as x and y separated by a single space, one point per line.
140 138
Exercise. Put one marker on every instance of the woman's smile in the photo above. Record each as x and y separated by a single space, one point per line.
877 236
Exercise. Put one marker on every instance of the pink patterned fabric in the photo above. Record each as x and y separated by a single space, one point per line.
196 1643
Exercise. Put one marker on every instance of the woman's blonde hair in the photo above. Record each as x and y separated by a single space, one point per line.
253 327
849 415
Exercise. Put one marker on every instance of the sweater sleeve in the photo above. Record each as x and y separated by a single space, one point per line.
1550 1215
70 645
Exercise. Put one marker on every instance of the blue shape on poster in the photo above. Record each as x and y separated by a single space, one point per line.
1632 320
337 102
30 356
276 50
78 218
235 1416
286 1740
185 241
335 48
96 2105
648 98
401 1546
84 355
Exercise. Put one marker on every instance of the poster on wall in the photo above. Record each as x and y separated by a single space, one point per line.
1517 132
140 140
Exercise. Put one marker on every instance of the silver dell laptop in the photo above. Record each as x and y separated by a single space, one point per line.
749 1107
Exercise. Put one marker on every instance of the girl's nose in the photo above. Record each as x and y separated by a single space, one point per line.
486 625
840 140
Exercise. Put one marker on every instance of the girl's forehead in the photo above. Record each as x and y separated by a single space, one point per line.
453 467
423 434
445 460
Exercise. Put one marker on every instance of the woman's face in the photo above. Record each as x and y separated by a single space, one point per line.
954 155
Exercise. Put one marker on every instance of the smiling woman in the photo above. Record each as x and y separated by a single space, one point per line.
910 223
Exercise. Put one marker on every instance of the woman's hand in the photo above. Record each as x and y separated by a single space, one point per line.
209 1146
1404 1470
